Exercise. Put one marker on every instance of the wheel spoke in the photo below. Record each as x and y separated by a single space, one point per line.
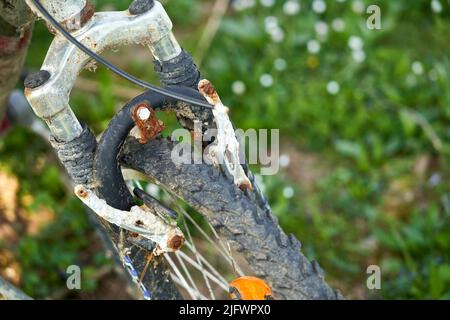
222 284
224 251
205 278
191 292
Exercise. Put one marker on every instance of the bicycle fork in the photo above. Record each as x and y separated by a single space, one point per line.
48 90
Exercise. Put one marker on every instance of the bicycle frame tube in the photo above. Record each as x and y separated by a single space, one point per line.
49 90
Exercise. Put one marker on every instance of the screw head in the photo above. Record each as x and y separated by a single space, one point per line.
143 113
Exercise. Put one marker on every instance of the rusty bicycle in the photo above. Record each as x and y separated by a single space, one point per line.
114 175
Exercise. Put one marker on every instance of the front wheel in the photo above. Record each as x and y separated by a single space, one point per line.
240 217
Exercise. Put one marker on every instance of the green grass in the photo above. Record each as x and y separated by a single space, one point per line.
373 203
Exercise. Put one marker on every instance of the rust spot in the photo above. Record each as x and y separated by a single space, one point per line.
87 13
134 234
145 119
77 21
27 92
81 192
175 242
246 186
207 89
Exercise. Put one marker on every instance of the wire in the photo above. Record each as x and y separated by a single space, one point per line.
112 67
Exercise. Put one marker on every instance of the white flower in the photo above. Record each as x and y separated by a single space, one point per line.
321 28
240 5
238 87
266 80
338 25
291 7
358 6
417 67
333 87
267 3
433 75
271 24
436 6
284 160
280 64
359 56
288 192
355 43
277 35
313 46
270 21
273 29
319 6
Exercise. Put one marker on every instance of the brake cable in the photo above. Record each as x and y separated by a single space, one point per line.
112 67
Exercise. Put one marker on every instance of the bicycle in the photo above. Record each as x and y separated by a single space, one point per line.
146 237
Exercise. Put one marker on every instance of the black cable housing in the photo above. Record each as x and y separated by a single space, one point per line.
108 178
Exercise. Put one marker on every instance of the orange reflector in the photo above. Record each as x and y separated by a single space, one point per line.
249 288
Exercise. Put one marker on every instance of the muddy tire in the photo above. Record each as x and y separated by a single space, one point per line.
238 216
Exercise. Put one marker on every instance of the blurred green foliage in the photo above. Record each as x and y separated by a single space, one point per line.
369 105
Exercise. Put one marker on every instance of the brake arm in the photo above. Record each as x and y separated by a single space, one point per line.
48 90
225 148
139 220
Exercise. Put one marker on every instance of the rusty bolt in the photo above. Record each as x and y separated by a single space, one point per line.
145 119
175 242
207 89
81 192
